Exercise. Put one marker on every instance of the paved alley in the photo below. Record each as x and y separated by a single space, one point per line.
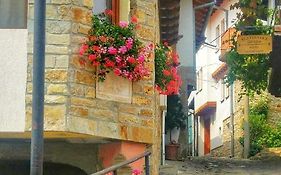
222 166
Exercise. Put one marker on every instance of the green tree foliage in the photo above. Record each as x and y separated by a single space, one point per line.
251 70
262 134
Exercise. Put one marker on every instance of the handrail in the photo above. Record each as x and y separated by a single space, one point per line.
122 164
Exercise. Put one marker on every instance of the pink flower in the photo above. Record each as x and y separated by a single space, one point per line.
108 12
123 49
141 58
112 50
109 63
166 72
117 71
131 60
136 172
96 48
83 49
123 24
118 59
134 19
92 57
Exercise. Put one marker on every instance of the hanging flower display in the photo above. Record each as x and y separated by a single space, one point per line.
115 48
167 80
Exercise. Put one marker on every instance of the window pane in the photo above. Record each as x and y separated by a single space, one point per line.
101 5
13 14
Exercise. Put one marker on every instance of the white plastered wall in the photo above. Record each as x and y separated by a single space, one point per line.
13 73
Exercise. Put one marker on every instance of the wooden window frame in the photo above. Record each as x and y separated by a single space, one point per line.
115 7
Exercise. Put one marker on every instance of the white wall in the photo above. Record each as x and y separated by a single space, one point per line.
13 73
208 59
185 45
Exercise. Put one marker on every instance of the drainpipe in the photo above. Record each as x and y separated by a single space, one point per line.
37 140
163 136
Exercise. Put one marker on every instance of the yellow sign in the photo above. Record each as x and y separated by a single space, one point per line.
254 44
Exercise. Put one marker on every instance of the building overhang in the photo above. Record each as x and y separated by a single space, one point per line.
201 19
206 108
220 72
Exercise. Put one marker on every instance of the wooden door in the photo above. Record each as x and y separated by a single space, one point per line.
207 141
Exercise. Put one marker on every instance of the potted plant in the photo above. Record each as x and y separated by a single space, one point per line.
175 119
115 48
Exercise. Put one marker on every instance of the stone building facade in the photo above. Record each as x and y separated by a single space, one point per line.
78 108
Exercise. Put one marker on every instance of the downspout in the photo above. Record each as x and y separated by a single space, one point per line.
37 140
163 136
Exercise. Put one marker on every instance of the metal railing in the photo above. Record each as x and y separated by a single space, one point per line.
115 167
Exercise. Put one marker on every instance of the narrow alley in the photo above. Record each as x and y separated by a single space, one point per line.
222 166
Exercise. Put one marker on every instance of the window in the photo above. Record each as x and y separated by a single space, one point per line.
222 90
114 5
199 78
227 91
218 36
13 14
223 29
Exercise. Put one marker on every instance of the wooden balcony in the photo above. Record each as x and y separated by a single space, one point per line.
226 43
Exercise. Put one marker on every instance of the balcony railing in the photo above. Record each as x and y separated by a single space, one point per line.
226 43
115 167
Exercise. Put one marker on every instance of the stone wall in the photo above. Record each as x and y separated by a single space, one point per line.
274 113
225 149
71 101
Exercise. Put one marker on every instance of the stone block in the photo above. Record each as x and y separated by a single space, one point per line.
79 111
77 90
128 119
55 99
58 27
141 100
141 134
147 112
124 108
82 125
62 61
50 61
123 132
57 89
88 3
148 90
56 75
90 92
146 33
61 1
84 77
103 114
29 87
115 88
60 39
108 129
54 117
54 49
82 102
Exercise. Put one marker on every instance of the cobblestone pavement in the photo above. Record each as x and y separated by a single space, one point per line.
222 166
